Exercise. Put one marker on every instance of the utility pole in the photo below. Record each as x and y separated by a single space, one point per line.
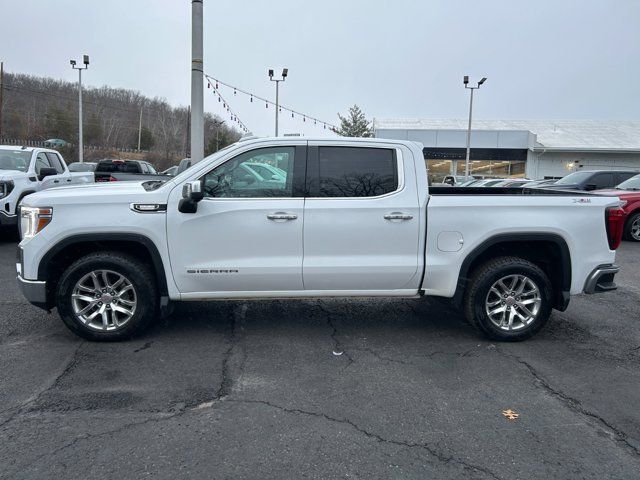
85 60
1 89
140 129
197 92
285 72
187 151
465 81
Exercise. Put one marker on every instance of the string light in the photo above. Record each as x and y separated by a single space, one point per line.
237 90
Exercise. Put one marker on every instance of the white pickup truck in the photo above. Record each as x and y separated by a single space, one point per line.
25 170
346 218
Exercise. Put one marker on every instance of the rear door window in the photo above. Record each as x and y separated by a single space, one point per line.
356 172
118 167
602 180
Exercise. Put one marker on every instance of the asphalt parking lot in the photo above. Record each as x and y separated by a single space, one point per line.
323 389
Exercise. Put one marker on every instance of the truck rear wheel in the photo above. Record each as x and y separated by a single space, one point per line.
107 296
508 299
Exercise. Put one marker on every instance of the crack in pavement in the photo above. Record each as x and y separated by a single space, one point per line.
574 404
90 436
20 409
441 457
235 338
338 348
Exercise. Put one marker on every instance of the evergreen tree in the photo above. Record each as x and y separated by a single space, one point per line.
355 124
146 139
93 130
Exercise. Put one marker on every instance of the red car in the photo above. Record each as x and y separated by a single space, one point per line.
629 192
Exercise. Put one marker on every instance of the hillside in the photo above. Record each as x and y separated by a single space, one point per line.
39 108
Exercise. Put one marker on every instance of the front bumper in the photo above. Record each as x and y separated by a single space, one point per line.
8 220
601 279
35 291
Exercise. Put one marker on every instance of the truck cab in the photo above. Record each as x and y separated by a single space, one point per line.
26 170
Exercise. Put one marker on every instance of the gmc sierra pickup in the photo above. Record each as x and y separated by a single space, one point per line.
25 170
345 218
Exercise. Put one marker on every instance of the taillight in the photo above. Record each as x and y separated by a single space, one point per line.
614 220
112 179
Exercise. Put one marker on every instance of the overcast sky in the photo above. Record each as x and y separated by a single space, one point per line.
556 59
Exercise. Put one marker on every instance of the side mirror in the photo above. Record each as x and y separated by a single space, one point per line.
590 186
191 195
46 172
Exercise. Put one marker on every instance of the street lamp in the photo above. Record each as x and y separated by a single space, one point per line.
285 72
85 60
465 80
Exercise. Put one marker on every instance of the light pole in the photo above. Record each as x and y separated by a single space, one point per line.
285 72
465 80
197 92
218 124
85 60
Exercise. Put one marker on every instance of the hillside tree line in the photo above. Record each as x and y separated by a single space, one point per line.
40 108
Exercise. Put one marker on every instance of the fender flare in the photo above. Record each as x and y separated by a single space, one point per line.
562 298
105 237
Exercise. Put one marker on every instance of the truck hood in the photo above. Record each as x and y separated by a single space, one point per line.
12 175
116 192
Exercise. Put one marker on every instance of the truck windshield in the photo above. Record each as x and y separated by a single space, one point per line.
110 166
15 160
632 184
574 178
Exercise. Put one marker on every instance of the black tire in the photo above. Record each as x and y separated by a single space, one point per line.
627 227
135 271
485 276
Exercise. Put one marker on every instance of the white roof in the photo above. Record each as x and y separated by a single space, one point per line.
560 134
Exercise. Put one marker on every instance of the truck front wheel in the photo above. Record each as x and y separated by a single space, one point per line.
508 299
107 296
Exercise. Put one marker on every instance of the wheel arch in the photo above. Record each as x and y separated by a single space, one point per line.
552 255
69 249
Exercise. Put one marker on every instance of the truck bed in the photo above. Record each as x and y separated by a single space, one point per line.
505 191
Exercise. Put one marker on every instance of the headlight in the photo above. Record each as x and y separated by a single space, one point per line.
5 188
34 219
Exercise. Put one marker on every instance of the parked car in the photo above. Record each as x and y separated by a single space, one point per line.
55 143
629 193
183 165
512 183
487 182
25 170
112 170
456 180
372 227
82 166
592 180
171 171
540 183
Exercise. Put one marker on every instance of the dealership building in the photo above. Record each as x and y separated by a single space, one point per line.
512 148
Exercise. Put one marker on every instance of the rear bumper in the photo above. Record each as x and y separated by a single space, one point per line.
601 279
35 291
6 219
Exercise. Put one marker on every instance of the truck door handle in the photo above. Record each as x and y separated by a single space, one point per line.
56 181
282 216
398 216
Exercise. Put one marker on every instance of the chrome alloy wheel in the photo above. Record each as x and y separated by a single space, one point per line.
513 302
635 229
104 300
